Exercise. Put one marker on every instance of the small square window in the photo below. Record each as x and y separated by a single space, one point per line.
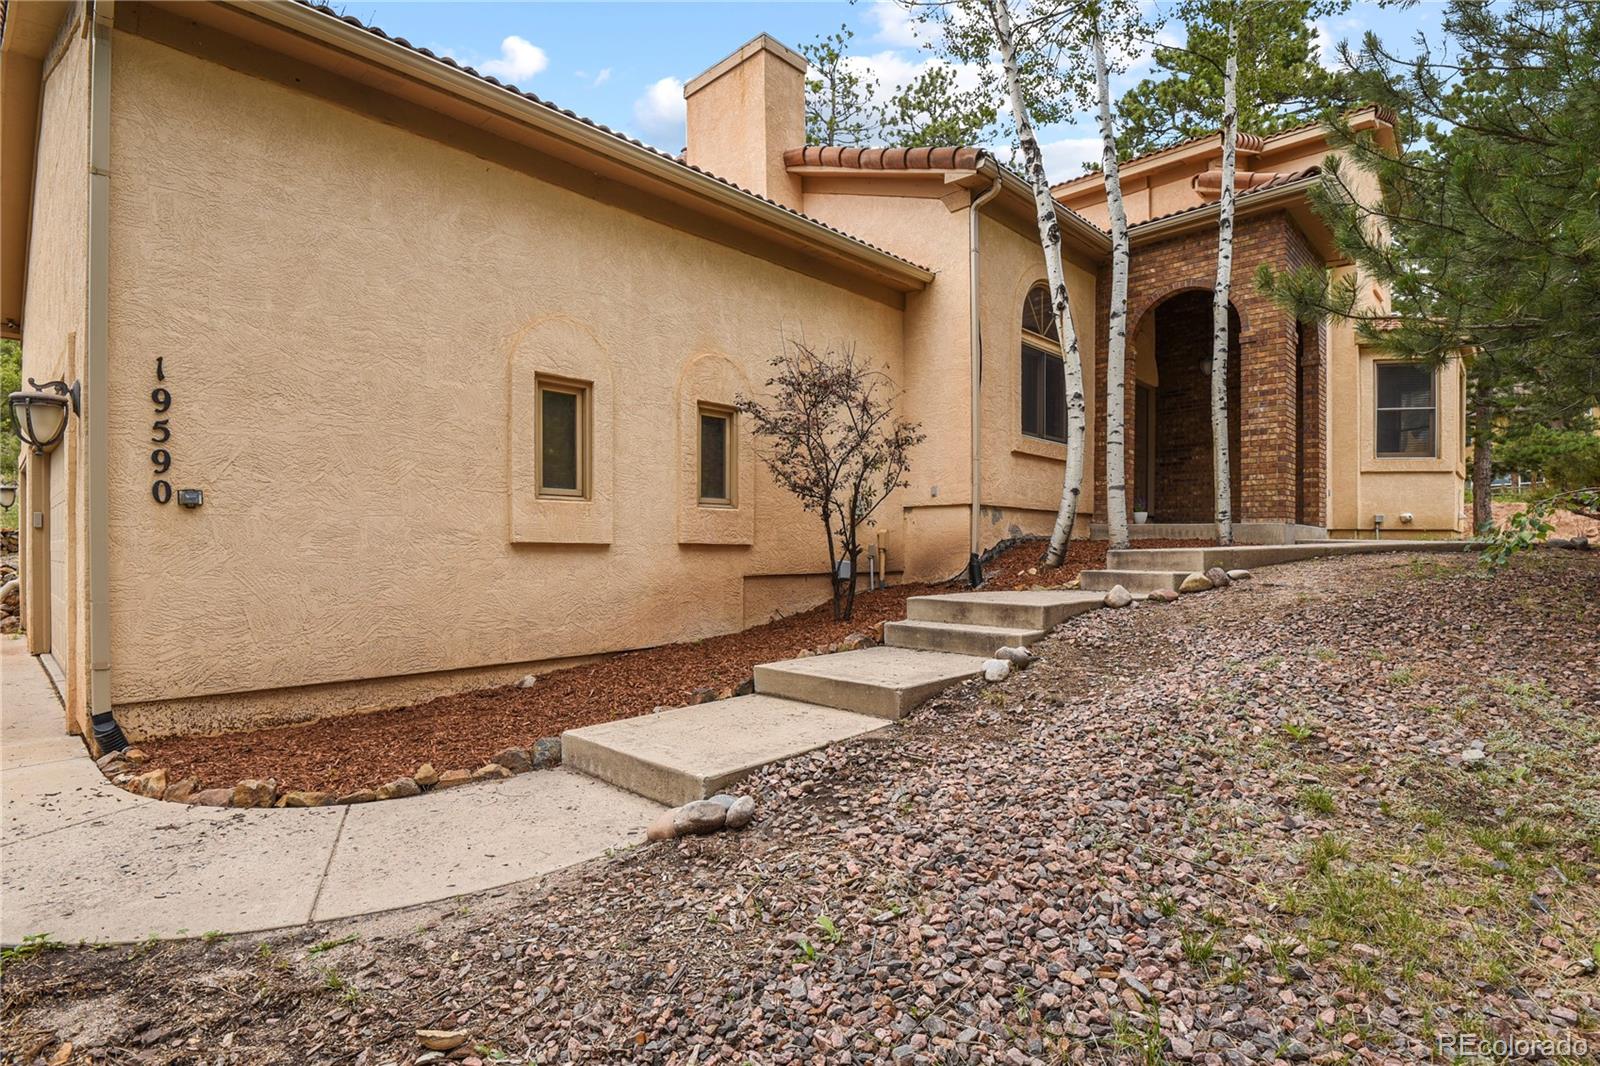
1407 415
716 456
563 432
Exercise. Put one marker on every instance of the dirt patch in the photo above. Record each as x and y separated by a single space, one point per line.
464 730
1566 523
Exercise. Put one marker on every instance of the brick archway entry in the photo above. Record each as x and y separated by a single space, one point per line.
1278 453
1176 476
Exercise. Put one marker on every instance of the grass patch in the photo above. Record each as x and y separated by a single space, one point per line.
31 945
1317 799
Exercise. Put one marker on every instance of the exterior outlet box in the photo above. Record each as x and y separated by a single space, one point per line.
190 497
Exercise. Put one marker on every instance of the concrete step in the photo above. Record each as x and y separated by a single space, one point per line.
884 682
689 753
957 637
1138 582
1250 556
1012 610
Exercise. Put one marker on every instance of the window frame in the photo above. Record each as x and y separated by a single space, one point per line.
1378 410
581 390
730 455
1050 348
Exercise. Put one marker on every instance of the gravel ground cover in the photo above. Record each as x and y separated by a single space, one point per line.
1337 813
363 751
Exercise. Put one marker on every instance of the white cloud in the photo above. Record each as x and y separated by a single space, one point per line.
660 110
891 69
519 60
1324 45
895 25
601 78
1064 159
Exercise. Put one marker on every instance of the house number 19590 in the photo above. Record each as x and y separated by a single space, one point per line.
160 457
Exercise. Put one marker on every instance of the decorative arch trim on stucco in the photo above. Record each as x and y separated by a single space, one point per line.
714 379
561 347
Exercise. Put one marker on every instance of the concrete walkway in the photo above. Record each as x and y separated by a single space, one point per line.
80 859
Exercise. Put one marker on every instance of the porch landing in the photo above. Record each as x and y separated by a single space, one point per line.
1243 532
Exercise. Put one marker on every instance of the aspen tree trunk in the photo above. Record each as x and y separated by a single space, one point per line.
1482 460
1050 242
1117 342
1219 298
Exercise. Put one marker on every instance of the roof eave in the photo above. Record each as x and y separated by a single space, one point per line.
1290 195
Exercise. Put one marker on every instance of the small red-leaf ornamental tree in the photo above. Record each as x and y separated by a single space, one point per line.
830 436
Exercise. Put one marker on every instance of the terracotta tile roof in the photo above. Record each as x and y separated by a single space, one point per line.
1278 182
942 158
622 137
1384 114
816 155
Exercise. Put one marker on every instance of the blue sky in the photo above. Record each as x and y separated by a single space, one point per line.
624 64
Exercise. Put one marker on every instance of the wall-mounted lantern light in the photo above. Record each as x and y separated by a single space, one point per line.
40 412
8 496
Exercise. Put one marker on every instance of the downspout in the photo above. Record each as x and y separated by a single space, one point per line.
975 358
97 392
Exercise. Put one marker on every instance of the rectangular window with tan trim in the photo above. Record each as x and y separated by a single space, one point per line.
1407 411
718 460
562 422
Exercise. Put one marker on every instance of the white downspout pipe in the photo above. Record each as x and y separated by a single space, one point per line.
97 392
975 358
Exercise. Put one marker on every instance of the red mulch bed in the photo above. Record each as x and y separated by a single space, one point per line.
463 731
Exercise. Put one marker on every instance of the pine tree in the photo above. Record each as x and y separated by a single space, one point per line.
1486 222
1282 84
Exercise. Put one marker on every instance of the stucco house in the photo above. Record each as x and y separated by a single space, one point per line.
394 380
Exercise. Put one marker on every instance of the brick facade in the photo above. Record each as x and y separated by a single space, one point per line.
1276 404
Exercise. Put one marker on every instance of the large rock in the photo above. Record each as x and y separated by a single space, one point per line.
1240 575
491 772
399 788
426 776
514 759
1118 597
1017 656
741 813
181 791
1218 577
9 593
254 792
546 753
698 817
151 783
996 669
665 827
1161 596
213 797
529 681
441 1039
360 795
306 799
452 778
1196 583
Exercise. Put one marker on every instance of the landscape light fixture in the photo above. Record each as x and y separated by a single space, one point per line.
8 496
39 412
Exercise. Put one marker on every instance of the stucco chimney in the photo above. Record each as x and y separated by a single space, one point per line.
744 112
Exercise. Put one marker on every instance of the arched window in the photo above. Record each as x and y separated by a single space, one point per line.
1044 394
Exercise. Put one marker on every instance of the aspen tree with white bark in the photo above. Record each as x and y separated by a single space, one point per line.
1117 339
1044 52
1221 479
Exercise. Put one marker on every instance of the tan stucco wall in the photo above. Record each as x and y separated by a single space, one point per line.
1021 476
345 308
1362 485
55 314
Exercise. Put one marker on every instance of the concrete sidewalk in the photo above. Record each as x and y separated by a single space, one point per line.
80 859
